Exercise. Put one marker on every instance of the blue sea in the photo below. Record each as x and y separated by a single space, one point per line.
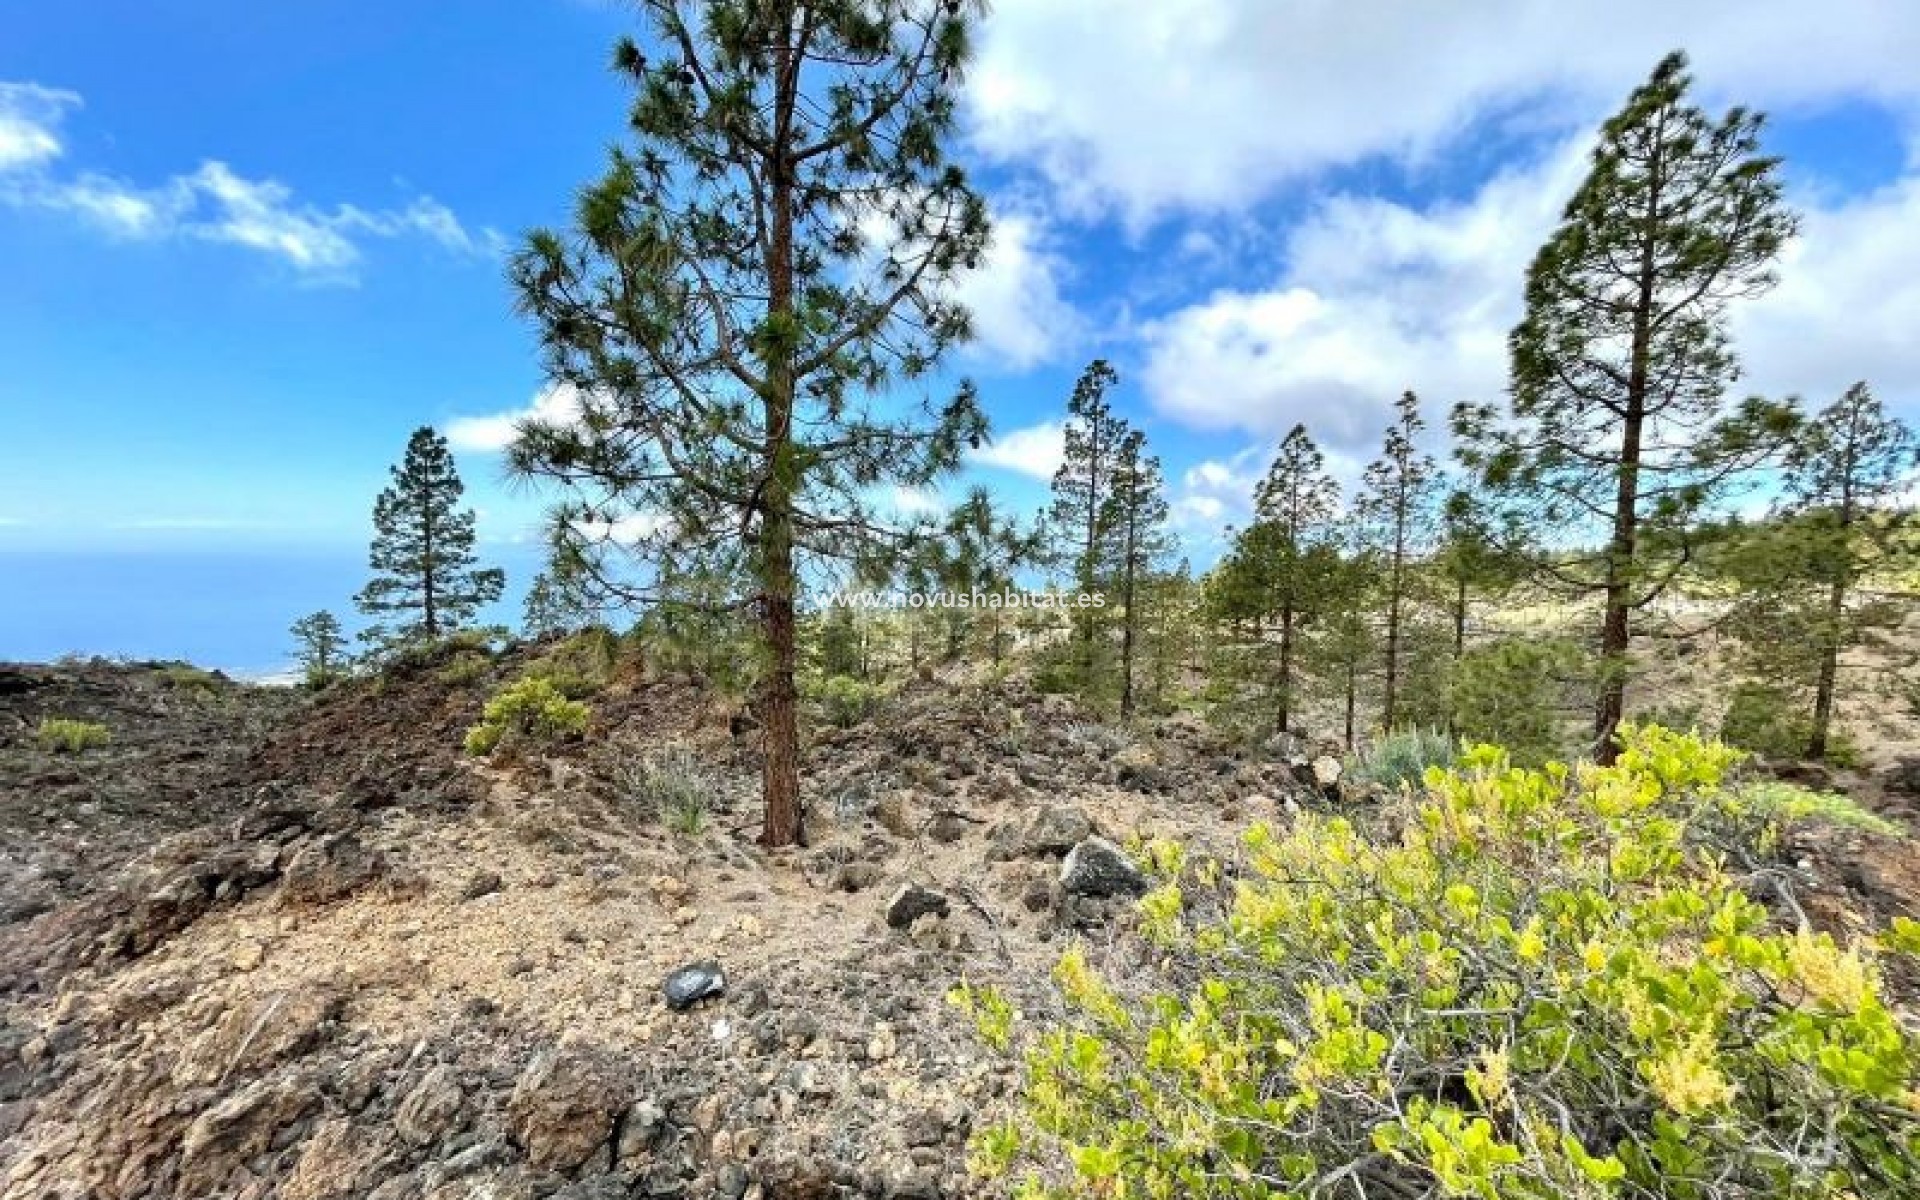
216 608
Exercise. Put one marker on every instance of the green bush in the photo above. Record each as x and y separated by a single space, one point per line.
1401 759
846 701
60 735
1513 693
189 678
1546 987
527 709
464 667
1770 722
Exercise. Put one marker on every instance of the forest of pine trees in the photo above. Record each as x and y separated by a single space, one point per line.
1622 491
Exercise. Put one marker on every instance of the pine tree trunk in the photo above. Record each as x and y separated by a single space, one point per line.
1396 589
1353 689
780 773
1460 619
780 777
1126 630
430 616
1829 673
1282 722
1616 634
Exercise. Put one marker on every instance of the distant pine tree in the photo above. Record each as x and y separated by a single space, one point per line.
322 652
425 572
1080 513
1396 509
1135 517
560 599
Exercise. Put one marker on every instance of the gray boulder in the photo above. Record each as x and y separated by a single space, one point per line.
1098 868
912 902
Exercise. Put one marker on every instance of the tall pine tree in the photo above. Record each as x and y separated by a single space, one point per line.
743 290
1804 572
1287 563
426 583
1620 428
1135 520
1396 506
1082 487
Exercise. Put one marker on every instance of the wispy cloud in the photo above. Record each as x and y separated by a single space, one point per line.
556 404
214 203
1035 450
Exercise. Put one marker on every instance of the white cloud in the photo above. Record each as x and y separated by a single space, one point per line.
214 203
555 404
1020 318
1210 104
1847 305
912 502
1036 450
630 529
29 121
1376 298
1214 493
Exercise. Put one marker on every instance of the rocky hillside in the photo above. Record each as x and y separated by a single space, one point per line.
266 945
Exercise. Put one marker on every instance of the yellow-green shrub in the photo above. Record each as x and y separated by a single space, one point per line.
846 701
532 709
1548 986
63 736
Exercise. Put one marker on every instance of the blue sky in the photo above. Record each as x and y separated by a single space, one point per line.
249 247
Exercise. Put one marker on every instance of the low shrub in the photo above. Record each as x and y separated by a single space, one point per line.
61 735
674 787
1547 986
463 668
1401 759
189 678
1513 693
1770 722
532 710
1105 739
846 701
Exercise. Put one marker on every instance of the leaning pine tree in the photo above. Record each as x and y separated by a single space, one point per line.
1620 426
774 250
425 582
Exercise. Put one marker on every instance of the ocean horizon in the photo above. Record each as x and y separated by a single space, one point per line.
222 609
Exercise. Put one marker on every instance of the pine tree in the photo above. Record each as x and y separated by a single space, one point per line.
1473 557
1283 567
1395 504
322 647
1134 520
1840 518
560 598
978 549
1344 645
422 555
1171 632
742 290
1082 488
1619 426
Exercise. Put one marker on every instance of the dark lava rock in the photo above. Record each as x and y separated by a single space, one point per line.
691 984
1902 778
1097 867
329 869
912 902
485 883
